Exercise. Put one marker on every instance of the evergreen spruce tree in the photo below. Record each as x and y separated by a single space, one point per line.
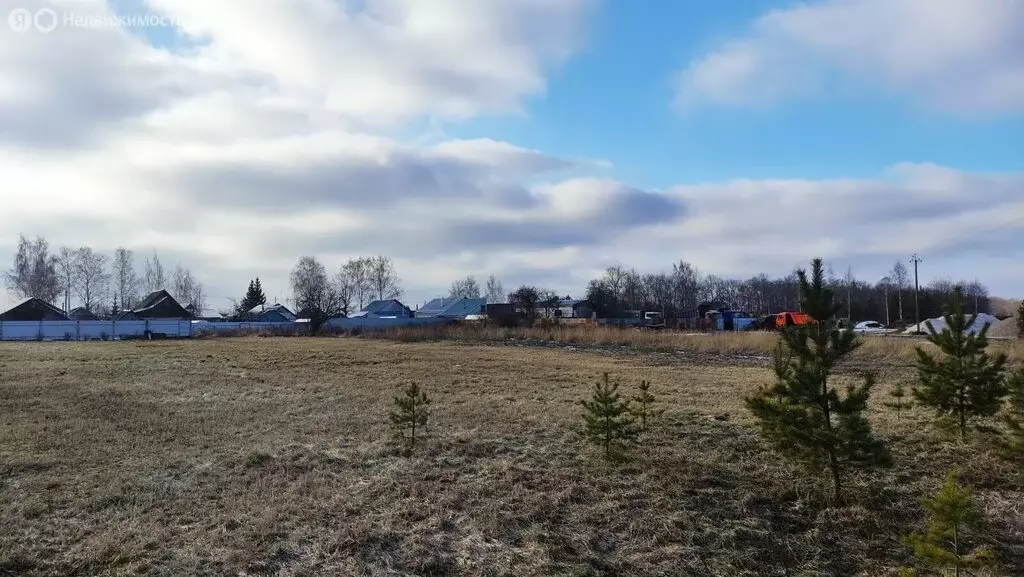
254 297
643 408
800 414
951 515
411 412
114 308
1011 445
607 417
899 402
966 383
259 298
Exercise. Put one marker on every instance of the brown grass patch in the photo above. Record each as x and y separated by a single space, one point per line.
889 348
271 456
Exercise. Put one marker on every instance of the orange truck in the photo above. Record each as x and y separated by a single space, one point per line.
789 319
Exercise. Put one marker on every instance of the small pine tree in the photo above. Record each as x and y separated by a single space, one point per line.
644 407
411 411
607 417
1011 445
951 515
113 307
899 402
966 383
801 415
1020 320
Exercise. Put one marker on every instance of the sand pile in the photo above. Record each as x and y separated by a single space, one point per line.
939 323
1004 328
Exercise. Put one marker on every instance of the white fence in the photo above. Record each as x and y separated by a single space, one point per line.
199 327
92 330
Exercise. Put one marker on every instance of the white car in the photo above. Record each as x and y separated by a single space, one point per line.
872 327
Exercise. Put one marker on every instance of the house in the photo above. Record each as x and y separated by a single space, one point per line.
157 305
568 308
33 310
210 315
275 313
390 308
452 308
81 314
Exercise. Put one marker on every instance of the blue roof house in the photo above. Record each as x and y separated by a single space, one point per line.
452 308
390 308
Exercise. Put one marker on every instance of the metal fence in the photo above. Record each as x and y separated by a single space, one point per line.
199 327
93 330
370 323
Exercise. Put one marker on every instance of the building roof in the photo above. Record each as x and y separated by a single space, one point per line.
451 307
385 307
570 302
276 307
81 314
435 306
32 309
161 299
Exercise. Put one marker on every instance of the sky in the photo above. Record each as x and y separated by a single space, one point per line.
537 140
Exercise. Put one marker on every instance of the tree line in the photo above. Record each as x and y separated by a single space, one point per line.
683 288
101 284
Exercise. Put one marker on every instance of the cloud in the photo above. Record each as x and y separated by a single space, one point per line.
965 56
235 159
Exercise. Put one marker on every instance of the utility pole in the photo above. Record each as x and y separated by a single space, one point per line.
917 304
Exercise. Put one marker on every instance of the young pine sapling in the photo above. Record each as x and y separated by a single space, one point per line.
1011 443
411 412
965 383
944 545
607 417
643 407
899 399
803 416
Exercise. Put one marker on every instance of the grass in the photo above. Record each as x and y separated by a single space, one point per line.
264 456
888 348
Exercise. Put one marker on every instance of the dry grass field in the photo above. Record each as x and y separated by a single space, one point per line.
272 456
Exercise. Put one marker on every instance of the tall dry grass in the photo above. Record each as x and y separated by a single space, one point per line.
758 343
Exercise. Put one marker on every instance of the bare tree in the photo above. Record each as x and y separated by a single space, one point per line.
495 293
153 279
35 271
466 288
186 289
900 280
384 280
345 283
92 281
356 273
126 280
315 296
615 279
849 281
66 271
